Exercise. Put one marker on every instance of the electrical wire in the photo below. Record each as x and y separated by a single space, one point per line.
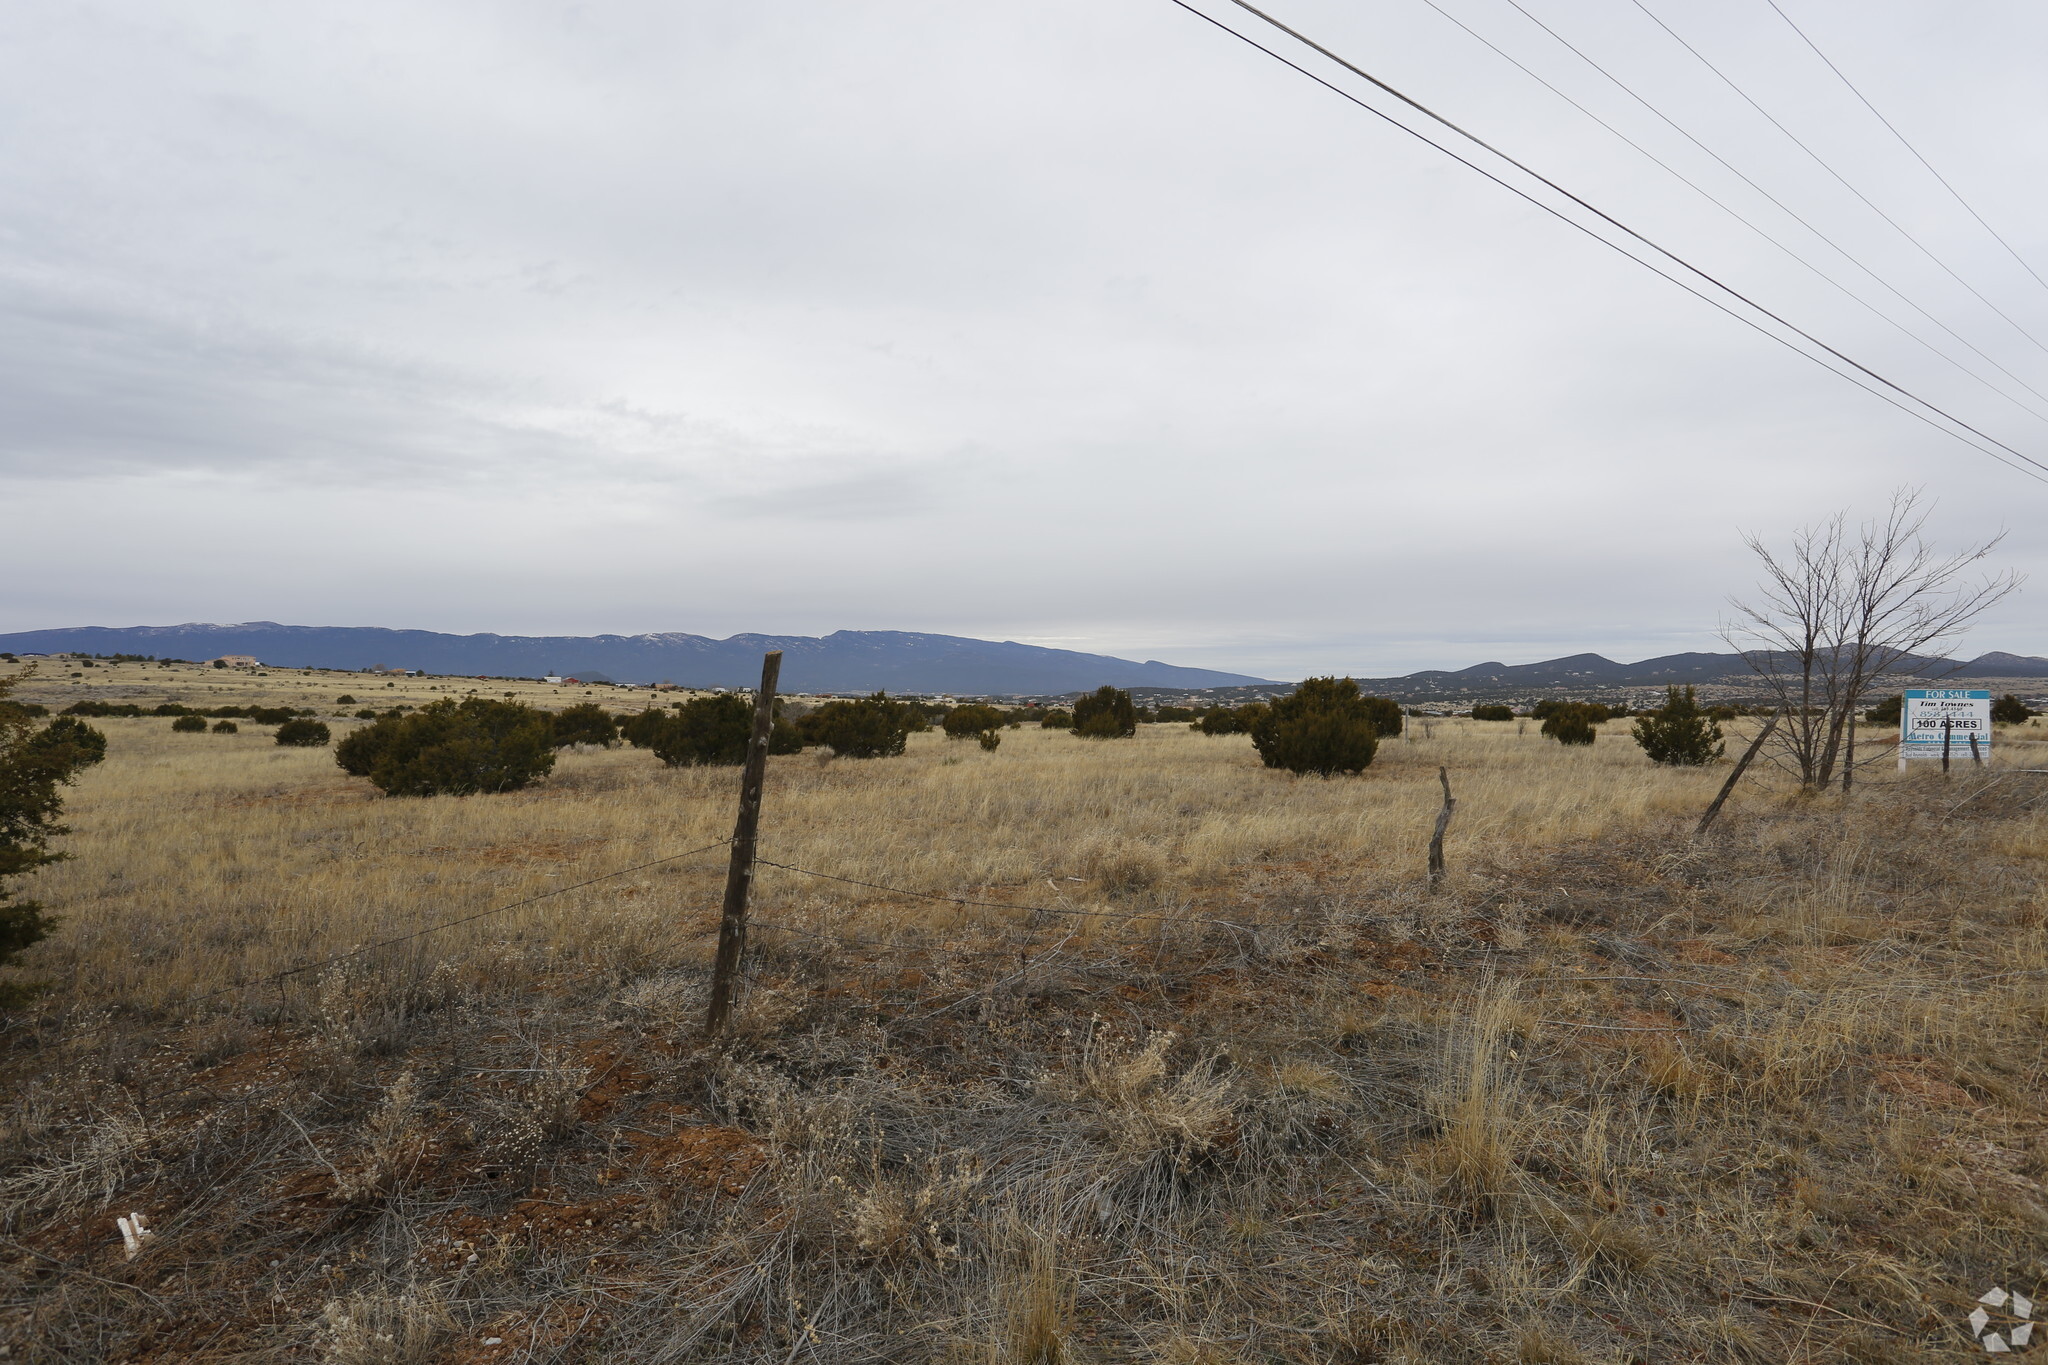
1749 223
1822 162
1776 202
1865 99
2031 467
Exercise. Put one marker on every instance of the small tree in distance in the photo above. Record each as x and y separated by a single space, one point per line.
1106 713
873 727
301 734
1680 733
1493 712
451 747
2010 710
704 731
1323 726
1574 722
965 722
585 723
189 725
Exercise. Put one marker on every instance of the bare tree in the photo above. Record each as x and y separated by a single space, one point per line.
1845 606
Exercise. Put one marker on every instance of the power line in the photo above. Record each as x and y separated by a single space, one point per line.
1739 217
2038 470
1780 204
1822 162
1953 191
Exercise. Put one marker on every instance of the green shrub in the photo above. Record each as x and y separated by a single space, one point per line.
302 734
103 709
34 764
1169 714
873 727
2010 710
585 723
451 747
990 740
1593 710
1493 713
1385 713
271 715
1323 726
344 700
71 743
226 727
640 730
704 731
964 722
189 725
787 737
1573 722
1221 720
367 713
1056 719
1106 713
1679 733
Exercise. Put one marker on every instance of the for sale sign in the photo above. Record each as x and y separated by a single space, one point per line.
1936 716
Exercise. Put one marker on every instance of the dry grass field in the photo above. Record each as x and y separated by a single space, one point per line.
1208 1074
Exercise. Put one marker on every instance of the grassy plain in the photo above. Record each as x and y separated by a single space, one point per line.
1213 1077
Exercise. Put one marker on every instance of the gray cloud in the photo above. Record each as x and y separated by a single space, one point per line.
1068 322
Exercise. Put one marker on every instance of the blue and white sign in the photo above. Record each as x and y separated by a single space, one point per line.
1934 715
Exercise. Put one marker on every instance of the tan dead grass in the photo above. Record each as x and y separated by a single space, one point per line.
1607 1095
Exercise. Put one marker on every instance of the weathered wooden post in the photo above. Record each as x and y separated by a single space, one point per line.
1443 823
1741 766
739 875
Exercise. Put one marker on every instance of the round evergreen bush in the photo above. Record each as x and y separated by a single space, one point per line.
585 723
1493 712
303 734
1106 713
1680 733
226 727
1323 726
2010 710
271 715
189 725
344 700
452 747
1573 722
965 722
991 740
1056 719
640 730
1385 713
873 727
1217 720
69 742
704 731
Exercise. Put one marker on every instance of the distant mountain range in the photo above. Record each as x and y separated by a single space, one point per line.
1594 670
872 660
844 661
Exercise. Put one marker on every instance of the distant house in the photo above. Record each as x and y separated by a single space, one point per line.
237 661
557 681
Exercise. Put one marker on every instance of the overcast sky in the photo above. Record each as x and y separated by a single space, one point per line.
1078 324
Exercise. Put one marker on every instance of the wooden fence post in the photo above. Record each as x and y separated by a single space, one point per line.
1443 823
1741 766
739 875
